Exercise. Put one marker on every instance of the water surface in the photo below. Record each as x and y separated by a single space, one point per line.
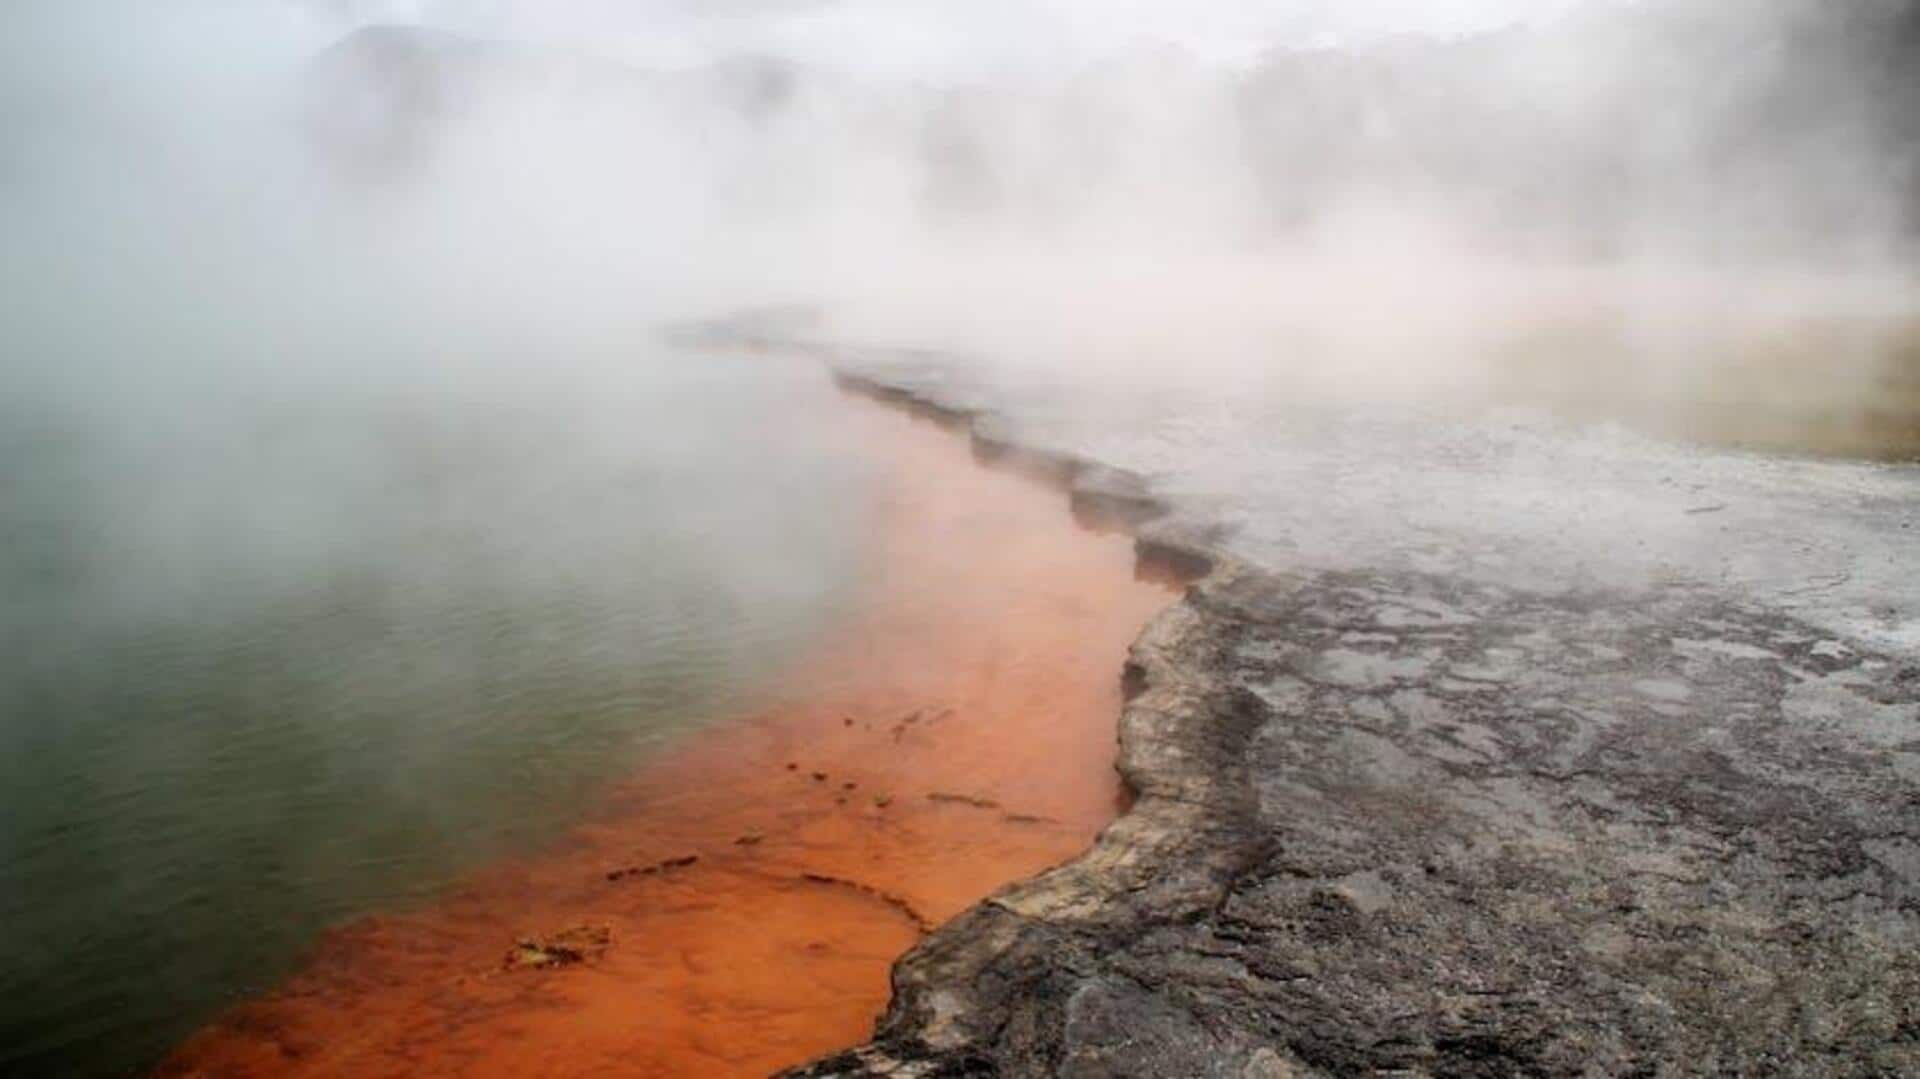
276 655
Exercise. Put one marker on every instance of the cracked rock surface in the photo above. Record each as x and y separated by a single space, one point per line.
1408 815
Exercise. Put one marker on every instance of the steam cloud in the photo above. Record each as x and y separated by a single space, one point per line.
354 171
1657 208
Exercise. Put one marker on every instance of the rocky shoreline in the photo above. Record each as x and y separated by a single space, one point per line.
1396 821
735 904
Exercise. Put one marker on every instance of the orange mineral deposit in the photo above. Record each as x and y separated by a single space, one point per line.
735 907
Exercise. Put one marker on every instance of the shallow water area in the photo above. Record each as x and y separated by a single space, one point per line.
292 654
955 733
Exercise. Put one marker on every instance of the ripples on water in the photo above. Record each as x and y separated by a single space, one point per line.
270 665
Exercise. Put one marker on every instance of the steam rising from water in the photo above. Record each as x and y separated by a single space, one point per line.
1714 203
430 187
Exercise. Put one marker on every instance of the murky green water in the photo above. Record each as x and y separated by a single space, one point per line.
270 661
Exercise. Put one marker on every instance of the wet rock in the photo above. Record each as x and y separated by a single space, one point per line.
1454 809
576 944
1427 786
663 866
962 799
906 909
1112 498
1336 866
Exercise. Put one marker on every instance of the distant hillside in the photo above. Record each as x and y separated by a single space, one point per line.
377 102
1734 129
1761 125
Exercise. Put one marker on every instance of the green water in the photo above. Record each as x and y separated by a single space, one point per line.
277 658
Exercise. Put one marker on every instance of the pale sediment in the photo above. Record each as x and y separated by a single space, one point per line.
1394 820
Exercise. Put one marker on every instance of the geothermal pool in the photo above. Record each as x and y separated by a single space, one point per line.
736 904
276 658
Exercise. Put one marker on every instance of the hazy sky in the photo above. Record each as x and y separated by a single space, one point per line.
945 36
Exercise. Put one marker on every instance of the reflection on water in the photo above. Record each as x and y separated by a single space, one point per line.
292 659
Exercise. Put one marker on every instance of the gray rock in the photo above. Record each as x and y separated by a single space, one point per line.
1430 818
1544 873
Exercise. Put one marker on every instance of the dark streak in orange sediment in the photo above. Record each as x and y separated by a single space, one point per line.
958 734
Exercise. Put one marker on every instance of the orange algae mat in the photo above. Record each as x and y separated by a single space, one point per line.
735 908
